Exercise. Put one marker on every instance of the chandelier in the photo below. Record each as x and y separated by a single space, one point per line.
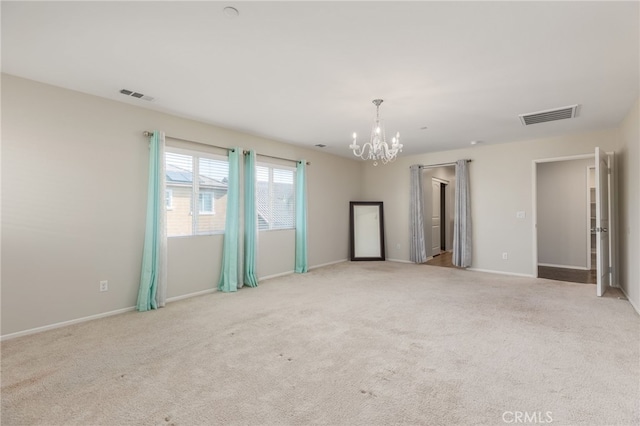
377 148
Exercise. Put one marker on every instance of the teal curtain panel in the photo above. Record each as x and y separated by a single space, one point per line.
229 270
250 220
153 277
301 265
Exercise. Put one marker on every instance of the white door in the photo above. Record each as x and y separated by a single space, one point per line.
603 236
435 219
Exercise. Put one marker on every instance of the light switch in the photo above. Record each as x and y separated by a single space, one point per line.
521 215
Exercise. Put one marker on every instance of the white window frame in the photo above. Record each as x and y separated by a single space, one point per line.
271 167
213 203
195 195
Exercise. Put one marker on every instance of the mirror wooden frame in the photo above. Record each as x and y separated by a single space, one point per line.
366 232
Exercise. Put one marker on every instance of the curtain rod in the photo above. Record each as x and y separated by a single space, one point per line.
430 166
147 133
277 158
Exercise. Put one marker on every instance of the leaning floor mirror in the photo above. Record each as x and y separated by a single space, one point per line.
367 230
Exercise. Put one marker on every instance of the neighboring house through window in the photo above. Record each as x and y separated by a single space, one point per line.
195 206
168 198
275 196
206 201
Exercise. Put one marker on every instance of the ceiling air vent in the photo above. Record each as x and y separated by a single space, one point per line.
136 95
555 114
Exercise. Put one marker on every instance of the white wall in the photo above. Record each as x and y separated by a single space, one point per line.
74 170
563 214
501 184
629 195
74 183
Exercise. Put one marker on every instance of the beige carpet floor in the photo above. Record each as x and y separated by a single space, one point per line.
357 343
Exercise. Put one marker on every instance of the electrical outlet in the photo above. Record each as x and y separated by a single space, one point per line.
398 246
505 256
521 215
104 285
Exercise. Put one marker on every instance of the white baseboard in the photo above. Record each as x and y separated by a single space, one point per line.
132 308
268 277
399 260
281 274
94 317
489 271
426 260
635 307
65 323
328 263
187 296
551 265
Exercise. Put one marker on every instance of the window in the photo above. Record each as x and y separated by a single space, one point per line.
206 202
275 196
168 199
206 215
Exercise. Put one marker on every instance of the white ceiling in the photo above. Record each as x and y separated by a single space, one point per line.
306 72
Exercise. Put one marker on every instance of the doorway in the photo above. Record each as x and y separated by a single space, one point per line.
563 220
563 207
443 213
439 216
438 196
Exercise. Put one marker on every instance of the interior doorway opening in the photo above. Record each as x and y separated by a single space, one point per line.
564 220
439 195
578 254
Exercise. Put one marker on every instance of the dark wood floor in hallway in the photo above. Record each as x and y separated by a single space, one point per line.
445 259
566 274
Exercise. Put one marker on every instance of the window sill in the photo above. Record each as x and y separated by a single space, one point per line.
277 229
197 235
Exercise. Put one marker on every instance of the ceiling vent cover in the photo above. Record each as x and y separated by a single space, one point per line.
555 114
133 94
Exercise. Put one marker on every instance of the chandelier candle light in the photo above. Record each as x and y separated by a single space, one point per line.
377 148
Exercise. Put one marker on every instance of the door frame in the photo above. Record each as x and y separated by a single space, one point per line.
612 209
534 196
443 226
444 208
589 246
